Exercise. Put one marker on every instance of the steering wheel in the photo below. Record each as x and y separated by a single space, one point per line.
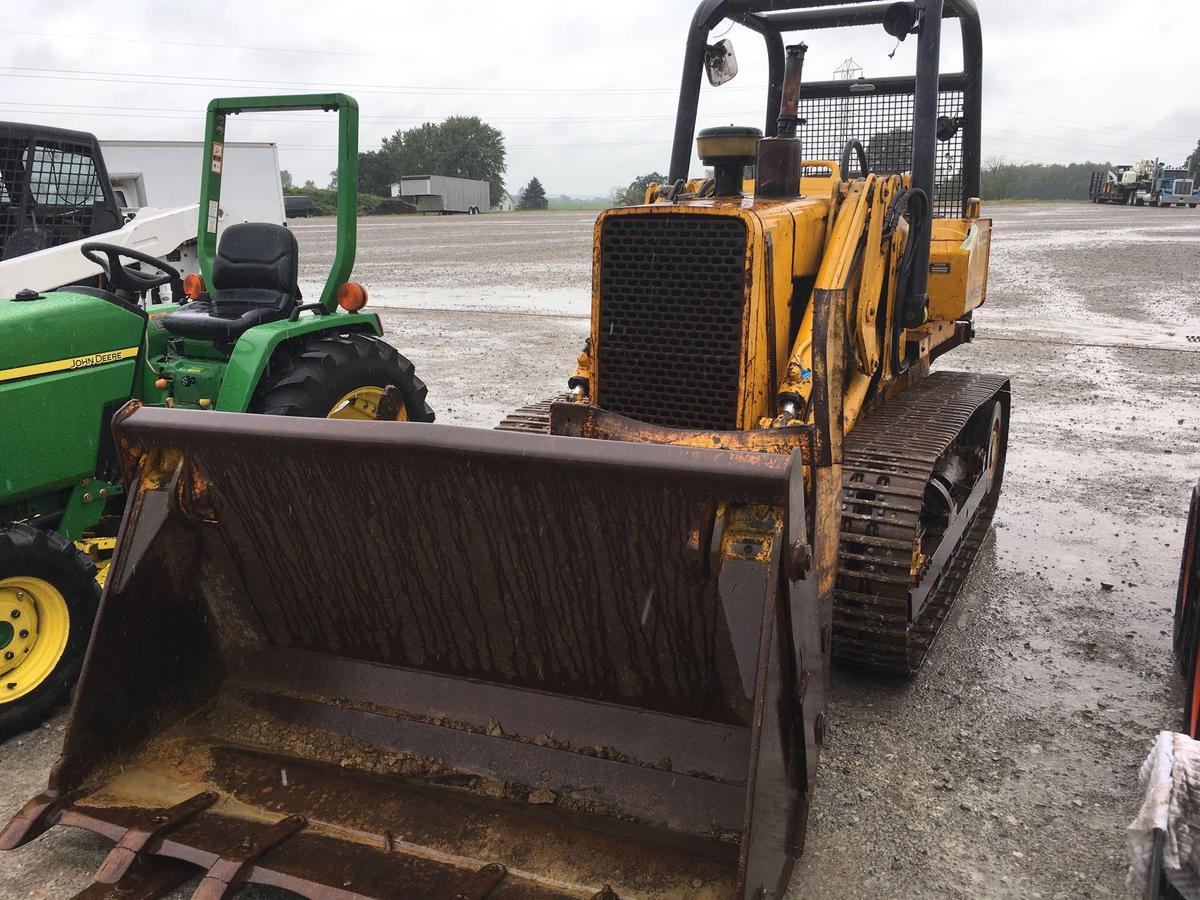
126 278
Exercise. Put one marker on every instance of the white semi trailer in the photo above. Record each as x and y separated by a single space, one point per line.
444 194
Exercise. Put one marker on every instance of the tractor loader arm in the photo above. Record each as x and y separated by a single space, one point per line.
860 262
158 232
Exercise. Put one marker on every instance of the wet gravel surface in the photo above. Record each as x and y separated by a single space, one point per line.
1008 767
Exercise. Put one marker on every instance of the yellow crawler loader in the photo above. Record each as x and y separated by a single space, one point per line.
585 655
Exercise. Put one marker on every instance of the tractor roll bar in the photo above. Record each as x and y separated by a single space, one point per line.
213 166
774 18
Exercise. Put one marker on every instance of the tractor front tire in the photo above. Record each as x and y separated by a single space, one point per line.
48 602
340 376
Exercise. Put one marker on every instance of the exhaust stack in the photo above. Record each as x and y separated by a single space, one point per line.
778 170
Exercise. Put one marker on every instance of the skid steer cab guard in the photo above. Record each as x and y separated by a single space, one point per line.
396 680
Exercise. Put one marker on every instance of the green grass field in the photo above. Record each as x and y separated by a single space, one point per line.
579 204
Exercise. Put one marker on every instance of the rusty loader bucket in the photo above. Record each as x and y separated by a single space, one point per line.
369 660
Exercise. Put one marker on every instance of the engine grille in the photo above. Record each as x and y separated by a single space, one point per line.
671 304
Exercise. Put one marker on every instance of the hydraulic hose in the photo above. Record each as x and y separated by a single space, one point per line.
854 145
913 204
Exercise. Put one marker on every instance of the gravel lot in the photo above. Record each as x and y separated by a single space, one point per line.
1008 768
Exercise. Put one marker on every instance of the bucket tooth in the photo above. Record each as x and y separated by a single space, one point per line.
227 875
35 818
146 834
147 879
479 884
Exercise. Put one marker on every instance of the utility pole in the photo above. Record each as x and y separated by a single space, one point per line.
847 71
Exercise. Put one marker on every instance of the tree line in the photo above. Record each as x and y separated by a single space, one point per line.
999 180
467 147
1003 180
459 147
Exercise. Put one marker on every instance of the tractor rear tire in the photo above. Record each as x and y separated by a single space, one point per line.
325 373
44 571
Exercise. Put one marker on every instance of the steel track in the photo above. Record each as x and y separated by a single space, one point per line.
531 419
894 590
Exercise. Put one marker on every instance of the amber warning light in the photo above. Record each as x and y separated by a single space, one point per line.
352 296
193 285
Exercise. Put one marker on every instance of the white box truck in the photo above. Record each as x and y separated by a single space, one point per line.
164 174
444 194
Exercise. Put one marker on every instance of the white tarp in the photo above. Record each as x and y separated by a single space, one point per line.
1170 780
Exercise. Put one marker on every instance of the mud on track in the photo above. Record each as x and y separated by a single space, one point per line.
1008 768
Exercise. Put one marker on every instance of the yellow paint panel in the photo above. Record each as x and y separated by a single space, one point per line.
958 267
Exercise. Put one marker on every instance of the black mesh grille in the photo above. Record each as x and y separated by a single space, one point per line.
883 122
671 298
49 191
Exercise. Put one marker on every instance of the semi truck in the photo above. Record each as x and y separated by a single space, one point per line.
1177 187
1146 182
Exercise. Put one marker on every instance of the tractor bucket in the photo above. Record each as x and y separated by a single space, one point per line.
369 660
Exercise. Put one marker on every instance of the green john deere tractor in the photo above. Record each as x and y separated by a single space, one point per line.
70 358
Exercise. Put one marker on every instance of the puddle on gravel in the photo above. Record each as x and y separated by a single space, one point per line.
1109 579
1005 324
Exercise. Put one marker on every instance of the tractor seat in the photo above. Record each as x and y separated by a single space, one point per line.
254 282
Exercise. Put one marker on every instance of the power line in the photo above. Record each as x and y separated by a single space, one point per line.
310 51
1022 140
168 80
1091 126
88 110
144 112
1035 138
166 113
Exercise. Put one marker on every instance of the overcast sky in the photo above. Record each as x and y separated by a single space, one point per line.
584 92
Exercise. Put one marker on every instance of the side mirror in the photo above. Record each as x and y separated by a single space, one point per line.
720 63
947 128
900 20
